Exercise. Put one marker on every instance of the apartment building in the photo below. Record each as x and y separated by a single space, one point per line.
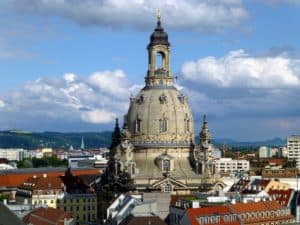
229 165
293 146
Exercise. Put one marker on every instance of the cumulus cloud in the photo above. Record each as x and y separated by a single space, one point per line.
70 77
1 104
201 15
96 99
239 69
98 116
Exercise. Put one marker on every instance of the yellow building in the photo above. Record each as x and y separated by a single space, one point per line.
41 190
79 199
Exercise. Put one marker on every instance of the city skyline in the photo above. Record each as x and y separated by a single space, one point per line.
71 66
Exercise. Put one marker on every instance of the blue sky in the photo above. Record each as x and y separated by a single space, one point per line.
71 65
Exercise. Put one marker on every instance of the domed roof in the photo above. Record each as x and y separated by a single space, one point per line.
160 117
159 36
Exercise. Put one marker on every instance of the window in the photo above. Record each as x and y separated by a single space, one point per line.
166 165
164 125
168 188
187 125
138 125
133 168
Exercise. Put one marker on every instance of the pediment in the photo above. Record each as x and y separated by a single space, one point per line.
169 180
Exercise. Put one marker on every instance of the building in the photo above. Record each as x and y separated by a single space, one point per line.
293 146
229 165
79 199
13 154
41 191
48 216
254 213
155 150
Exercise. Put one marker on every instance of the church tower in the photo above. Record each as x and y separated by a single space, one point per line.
159 73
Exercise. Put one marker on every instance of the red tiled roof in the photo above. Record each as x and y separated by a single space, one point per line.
255 206
46 216
42 183
282 196
273 205
248 207
15 179
194 213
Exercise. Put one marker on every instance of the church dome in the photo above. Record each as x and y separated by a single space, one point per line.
160 117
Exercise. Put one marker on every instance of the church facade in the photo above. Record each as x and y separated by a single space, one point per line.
156 150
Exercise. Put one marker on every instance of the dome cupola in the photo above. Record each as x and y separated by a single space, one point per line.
159 36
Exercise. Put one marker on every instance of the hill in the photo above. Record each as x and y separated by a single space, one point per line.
28 140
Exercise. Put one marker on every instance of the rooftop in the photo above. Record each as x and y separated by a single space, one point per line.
46 216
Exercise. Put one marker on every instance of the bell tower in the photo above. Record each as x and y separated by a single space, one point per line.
159 72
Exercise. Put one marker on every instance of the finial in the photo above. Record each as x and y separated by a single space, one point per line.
158 14
204 118
117 122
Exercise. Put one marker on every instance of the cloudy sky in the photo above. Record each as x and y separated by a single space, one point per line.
71 65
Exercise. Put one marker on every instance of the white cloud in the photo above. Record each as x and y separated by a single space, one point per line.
98 116
239 69
70 77
96 99
2 104
188 14
114 83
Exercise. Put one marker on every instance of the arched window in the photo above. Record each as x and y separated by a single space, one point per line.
138 125
159 60
166 165
164 125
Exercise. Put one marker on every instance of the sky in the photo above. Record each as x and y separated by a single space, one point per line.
71 65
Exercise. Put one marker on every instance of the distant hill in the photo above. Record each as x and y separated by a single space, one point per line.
275 142
28 140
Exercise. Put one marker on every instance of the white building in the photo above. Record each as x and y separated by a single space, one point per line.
13 154
229 165
293 146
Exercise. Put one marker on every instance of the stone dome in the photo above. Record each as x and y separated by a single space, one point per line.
160 116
